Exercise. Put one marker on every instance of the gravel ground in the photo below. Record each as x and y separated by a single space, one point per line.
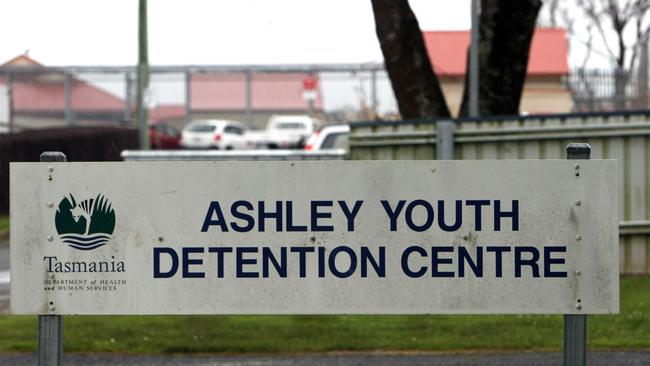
630 358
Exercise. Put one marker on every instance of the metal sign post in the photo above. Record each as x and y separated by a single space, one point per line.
575 326
50 327
445 140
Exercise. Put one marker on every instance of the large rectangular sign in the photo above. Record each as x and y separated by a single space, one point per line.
362 237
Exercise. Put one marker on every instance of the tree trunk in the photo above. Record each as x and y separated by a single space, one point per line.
415 84
506 31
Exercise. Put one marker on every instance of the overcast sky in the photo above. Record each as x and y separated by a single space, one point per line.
104 32
82 32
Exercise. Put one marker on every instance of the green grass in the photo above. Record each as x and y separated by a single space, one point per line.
274 334
4 222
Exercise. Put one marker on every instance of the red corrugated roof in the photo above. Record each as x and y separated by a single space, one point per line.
46 92
269 91
548 52
22 60
48 96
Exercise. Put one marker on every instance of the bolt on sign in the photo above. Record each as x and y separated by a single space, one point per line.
358 237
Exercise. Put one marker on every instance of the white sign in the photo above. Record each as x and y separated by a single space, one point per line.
309 95
362 237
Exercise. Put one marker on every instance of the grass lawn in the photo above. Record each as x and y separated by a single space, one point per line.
4 222
273 334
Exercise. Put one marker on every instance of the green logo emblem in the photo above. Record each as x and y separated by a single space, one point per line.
87 224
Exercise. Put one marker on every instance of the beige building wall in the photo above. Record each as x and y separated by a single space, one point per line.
541 95
453 90
546 96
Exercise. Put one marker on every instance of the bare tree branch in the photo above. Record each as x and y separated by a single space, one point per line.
610 20
595 15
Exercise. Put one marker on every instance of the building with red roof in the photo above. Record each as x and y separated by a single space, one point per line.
38 98
544 90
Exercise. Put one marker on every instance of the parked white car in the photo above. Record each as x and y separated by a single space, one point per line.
329 137
214 134
284 132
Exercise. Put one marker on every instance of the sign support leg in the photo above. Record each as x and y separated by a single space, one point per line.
575 326
50 340
50 327
575 340
445 140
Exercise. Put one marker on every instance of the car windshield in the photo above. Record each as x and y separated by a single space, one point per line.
336 141
201 128
290 126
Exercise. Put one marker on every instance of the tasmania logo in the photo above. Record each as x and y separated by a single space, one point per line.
86 224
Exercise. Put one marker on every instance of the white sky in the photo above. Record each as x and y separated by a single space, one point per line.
104 32
83 32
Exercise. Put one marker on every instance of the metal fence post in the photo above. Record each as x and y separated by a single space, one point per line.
188 96
373 92
10 102
575 326
248 99
128 97
50 327
67 90
474 77
642 80
445 140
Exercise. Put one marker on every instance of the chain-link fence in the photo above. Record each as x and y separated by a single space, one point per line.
34 97
607 90
38 96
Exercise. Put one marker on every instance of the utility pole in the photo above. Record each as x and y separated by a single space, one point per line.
143 76
474 110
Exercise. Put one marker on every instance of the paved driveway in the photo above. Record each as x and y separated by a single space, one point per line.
346 359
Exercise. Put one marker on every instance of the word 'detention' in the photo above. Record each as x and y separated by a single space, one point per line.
258 260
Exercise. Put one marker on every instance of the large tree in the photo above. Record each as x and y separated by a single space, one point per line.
506 30
415 84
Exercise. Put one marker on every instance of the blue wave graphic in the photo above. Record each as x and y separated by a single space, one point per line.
85 242
85 238
86 248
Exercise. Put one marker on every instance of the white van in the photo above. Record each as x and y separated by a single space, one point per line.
285 132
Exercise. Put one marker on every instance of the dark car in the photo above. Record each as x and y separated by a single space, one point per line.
163 136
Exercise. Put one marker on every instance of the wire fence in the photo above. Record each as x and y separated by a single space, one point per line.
45 97
607 90
36 97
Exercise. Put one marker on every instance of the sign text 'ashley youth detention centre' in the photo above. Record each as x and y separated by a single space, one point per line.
314 237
